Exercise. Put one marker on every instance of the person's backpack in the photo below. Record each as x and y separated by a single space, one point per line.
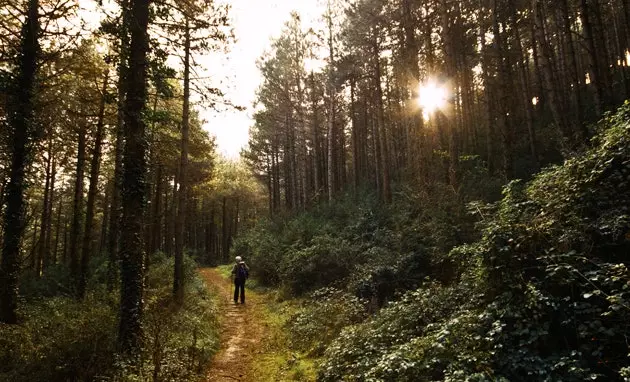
241 272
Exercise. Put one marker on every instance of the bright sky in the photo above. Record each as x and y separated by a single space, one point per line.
255 23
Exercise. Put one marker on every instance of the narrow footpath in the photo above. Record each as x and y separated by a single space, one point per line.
241 331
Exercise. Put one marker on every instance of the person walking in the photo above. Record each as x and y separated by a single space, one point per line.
240 273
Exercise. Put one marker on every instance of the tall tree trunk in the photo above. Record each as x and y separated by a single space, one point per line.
46 261
450 65
355 139
77 207
236 215
102 243
178 277
526 94
23 131
115 210
575 81
172 217
594 56
134 185
55 254
316 141
554 100
332 186
88 234
380 123
39 260
156 224
225 230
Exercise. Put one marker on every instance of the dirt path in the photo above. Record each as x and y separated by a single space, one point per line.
241 333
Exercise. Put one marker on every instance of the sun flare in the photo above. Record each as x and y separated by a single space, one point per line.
431 97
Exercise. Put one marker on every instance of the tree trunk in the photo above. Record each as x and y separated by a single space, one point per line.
134 186
355 139
43 233
316 142
224 229
593 54
380 124
55 253
88 234
156 224
178 277
115 211
102 243
23 132
332 187
450 124
546 55
575 81
77 207
51 198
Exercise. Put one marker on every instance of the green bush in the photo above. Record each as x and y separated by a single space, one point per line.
321 318
59 339
410 340
179 340
367 248
543 295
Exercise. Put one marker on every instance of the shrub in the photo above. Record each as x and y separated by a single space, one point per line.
320 320
409 340
179 340
542 295
59 339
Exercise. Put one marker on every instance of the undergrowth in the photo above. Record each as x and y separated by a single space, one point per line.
62 339
440 287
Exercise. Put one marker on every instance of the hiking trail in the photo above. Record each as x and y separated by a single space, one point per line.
241 332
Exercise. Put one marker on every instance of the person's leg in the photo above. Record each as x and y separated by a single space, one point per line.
236 283
243 292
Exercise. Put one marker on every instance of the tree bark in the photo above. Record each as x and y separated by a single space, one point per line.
77 207
115 211
54 258
51 198
381 132
43 233
332 186
23 131
178 277
88 234
134 185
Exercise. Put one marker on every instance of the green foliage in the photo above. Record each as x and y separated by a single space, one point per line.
64 339
321 318
370 249
55 281
179 340
410 340
556 261
60 339
542 294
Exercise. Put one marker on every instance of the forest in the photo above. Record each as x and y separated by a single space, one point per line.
433 190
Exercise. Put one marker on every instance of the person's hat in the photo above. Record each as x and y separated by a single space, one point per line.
238 259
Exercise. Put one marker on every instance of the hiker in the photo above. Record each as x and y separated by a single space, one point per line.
240 272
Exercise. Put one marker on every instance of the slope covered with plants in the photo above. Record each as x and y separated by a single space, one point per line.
532 287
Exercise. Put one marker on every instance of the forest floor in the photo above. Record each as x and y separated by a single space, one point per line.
242 330
254 345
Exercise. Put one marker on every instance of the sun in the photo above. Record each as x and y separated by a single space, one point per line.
431 97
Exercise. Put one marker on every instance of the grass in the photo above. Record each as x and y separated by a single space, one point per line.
277 362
